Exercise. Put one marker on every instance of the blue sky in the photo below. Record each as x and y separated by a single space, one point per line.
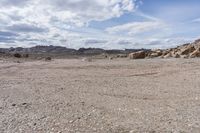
109 24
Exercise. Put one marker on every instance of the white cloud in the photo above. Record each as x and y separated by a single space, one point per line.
19 3
136 27
57 18
77 12
196 20
65 22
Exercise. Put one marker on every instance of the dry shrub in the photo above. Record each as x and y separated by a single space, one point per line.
17 55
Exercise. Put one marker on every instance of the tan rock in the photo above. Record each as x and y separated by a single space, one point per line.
165 53
168 55
176 56
187 50
156 54
196 53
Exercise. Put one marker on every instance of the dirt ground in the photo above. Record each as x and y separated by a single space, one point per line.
102 96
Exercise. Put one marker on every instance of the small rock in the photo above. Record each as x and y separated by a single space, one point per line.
24 103
13 104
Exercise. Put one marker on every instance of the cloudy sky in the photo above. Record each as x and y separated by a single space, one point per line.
110 24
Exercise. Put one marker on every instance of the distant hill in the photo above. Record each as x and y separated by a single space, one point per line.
189 50
63 50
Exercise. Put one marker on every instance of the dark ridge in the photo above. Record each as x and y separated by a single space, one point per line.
63 50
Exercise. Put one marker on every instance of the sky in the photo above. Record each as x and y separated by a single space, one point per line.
108 24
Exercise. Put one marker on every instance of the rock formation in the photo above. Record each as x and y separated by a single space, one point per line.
190 50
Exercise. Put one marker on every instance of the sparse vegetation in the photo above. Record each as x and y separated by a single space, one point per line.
48 59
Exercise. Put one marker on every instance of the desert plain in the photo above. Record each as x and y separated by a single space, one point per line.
100 96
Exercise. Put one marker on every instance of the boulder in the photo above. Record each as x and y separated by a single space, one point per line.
137 55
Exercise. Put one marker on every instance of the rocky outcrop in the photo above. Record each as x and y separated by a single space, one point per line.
189 50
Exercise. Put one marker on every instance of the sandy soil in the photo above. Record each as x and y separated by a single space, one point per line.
103 96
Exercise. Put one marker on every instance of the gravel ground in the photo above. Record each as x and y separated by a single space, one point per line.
102 96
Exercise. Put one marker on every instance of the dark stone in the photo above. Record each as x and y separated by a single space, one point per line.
13 104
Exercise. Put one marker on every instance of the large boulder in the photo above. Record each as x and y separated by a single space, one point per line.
137 55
